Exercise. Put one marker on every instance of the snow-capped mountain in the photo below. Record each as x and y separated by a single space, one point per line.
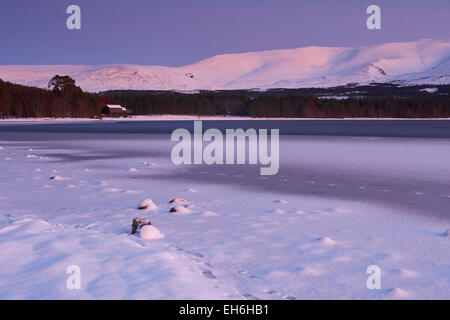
420 62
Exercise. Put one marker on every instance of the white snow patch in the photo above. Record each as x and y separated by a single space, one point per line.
308 271
150 233
397 293
111 190
209 214
326 241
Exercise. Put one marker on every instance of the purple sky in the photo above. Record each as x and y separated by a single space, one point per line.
177 32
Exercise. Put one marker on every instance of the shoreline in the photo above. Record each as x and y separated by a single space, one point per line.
168 117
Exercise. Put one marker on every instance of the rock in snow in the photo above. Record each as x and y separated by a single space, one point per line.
147 204
137 224
179 201
57 178
180 210
149 232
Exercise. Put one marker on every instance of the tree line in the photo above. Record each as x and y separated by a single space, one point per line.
65 99
285 106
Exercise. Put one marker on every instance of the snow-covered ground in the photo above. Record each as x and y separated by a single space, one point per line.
338 206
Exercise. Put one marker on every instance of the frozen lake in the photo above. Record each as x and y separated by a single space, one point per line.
364 128
349 194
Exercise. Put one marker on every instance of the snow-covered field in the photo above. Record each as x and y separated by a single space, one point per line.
338 206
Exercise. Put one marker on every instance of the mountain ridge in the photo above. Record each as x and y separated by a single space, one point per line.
424 61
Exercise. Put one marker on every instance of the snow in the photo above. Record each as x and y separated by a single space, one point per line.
424 61
430 90
239 241
150 233
180 210
147 204
179 201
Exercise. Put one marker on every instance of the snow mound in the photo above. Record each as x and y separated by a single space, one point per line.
149 232
408 274
191 190
310 272
397 293
132 170
147 204
1 148
57 178
180 210
209 214
111 190
281 201
326 241
279 211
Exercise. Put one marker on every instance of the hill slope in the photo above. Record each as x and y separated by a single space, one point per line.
420 62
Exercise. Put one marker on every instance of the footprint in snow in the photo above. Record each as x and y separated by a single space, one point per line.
249 296
208 274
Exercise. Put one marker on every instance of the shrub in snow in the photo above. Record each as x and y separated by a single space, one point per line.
147 204
149 232
137 224
56 178
447 233
180 210
179 201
